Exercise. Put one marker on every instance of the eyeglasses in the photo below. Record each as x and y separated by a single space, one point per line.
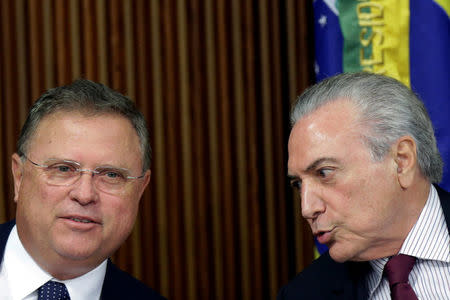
65 172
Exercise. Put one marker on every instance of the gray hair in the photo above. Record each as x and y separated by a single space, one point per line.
389 110
89 98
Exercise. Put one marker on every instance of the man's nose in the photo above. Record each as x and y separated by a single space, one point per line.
84 190
312 204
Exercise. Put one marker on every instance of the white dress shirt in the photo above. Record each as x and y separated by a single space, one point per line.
429 242
21 276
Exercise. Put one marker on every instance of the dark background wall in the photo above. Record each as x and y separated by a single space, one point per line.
215 80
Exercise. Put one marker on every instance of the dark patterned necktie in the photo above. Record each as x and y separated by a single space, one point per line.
53 290
397 271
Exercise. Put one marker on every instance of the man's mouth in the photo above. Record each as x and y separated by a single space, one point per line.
81 220
323 237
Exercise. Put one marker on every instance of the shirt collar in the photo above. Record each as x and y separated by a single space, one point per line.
429 238
89 285
25 276
429 230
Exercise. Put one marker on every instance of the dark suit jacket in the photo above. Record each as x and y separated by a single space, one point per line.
117 283
327 279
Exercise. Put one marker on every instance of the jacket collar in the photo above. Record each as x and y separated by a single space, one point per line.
444 197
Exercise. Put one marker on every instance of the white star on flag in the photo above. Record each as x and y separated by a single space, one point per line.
316 68
323 20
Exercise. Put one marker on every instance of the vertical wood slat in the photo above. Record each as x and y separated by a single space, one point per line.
74 19
61 42
160 156
241 159
213 149
291 48
35 49
172 141
186 157
129 41
48 43
89 58
208 76
254 183
278 180
115 43
21 62
268 141
228 217
203 262
102 53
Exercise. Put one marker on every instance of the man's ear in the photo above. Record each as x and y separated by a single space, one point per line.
405 155
145 181
17 171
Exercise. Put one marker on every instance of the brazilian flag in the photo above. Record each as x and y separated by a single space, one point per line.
405 39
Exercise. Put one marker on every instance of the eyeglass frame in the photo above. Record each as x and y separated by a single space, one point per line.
80 171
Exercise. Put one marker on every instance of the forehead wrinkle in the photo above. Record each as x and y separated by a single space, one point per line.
322 129
77 128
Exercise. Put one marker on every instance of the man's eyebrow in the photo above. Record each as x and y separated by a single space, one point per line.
291 177
313 166
320 161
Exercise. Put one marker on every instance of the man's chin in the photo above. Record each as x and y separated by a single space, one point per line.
340 255
76 253
338 259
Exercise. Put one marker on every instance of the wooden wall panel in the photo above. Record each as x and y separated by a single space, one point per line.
211 137
215 80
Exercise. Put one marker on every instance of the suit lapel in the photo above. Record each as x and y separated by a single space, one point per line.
109 283
349 284
357 273
343 288
5 230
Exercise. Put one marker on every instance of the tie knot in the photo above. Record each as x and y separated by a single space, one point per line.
398 267
53 290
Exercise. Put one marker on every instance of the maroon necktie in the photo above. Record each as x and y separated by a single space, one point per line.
397 270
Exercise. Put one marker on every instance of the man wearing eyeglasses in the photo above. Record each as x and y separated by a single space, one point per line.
81 166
